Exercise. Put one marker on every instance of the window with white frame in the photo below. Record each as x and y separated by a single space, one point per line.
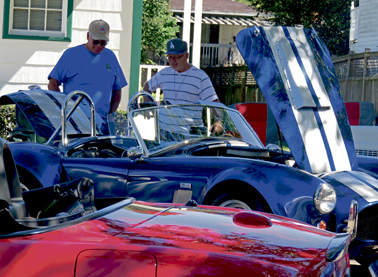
38 18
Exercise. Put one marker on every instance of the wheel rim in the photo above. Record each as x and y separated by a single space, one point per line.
233 203
23 187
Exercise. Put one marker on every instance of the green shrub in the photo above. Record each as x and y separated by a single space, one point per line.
7 120
120 121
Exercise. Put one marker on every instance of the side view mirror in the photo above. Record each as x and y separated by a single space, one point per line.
273 147
134 152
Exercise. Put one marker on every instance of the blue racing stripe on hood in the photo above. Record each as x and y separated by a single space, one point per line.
314 97
293 70
253 44
297 56
330 81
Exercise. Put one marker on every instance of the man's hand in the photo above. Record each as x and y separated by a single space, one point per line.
217 128
53 84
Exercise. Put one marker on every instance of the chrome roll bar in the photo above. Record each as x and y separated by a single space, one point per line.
65 117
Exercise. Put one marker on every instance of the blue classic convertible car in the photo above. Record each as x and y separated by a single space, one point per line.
172 153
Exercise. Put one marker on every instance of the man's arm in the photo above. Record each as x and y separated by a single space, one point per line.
116 99
53 84
146 87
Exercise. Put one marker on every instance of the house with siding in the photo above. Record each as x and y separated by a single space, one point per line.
221 21
36 33
358 72
364 27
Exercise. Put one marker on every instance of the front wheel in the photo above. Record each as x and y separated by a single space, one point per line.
234 203
238 201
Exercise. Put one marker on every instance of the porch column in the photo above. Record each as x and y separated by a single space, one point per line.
187 21
196 57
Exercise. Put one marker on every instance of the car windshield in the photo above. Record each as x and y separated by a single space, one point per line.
161 127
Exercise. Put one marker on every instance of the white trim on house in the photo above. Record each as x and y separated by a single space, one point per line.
28 31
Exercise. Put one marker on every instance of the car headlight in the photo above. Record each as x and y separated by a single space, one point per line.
325 198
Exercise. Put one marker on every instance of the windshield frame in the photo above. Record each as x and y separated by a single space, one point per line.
232 113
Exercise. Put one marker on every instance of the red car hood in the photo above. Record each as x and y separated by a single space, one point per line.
145 239
251 235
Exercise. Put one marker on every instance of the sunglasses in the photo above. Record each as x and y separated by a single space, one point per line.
103 42
175 57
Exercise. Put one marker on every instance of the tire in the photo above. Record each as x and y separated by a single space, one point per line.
237 201
234 203
28 182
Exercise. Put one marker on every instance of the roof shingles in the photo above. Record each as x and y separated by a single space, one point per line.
218 6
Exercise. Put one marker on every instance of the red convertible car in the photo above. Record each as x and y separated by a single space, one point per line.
58 231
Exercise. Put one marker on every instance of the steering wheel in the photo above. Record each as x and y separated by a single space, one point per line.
134 102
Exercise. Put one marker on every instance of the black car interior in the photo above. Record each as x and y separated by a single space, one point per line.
20 211
103 147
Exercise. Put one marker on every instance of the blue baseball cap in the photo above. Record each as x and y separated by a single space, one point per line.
176 46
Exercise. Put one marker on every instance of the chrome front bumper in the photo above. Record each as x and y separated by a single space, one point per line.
352 220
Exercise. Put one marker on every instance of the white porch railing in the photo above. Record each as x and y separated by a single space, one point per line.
220 55
145 74
211 55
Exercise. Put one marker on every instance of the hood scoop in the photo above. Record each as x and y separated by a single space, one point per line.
251 220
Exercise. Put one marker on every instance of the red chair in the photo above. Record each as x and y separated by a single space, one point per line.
360 113
257 116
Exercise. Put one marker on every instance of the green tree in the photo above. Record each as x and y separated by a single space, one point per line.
330 18
158 27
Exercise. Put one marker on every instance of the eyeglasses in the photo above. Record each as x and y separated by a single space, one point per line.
175 57
103 42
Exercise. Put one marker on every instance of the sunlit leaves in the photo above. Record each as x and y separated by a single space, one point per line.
330 18
158 27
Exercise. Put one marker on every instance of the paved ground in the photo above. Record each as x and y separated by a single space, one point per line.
358 270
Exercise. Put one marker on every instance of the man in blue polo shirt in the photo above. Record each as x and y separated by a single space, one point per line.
92 68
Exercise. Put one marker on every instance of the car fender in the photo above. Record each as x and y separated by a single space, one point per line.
41 161
288 192
353 185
